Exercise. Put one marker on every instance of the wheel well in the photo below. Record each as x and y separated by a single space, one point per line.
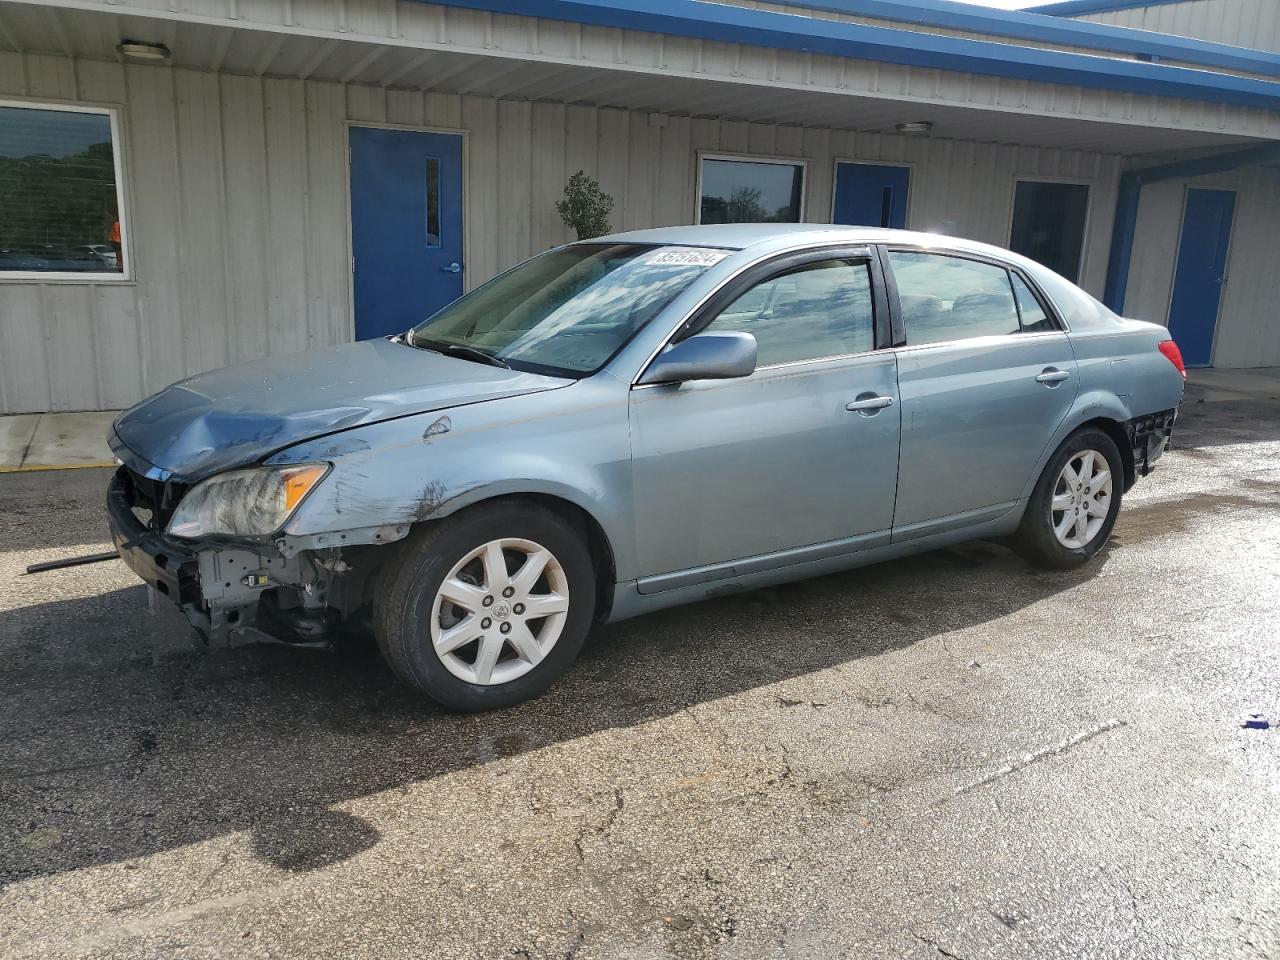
597 542
1116 431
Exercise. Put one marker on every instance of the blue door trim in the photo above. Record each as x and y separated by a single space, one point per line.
1200 275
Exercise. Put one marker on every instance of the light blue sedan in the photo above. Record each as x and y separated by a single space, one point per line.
638 421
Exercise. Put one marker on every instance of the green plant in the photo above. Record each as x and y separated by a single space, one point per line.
585 208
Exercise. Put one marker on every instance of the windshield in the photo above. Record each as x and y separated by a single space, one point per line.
566 312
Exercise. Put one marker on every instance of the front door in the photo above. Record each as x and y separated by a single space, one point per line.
871 195
1201 272
406 227
986 378
737 476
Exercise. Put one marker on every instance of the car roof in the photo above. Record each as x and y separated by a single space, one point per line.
741 236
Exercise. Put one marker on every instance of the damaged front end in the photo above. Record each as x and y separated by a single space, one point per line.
233 590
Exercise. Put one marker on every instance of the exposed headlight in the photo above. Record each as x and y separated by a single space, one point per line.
245 503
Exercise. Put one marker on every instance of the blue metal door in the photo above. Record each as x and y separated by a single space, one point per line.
406 226
1201 272
871 195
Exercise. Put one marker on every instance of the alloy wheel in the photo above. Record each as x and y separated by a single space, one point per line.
500 611
1081 499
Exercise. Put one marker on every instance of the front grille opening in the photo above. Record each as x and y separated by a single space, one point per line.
152 501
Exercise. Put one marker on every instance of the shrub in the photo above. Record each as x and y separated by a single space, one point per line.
585 208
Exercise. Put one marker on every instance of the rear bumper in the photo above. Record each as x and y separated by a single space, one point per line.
1149 438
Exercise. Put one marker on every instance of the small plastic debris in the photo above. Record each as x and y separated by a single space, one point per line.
1255 721
974 664
72 562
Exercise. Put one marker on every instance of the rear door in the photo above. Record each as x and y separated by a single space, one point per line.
986 377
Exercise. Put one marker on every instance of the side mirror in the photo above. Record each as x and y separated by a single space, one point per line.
706 356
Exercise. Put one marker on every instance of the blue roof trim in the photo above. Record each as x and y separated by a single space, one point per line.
1080 8
724 23
1033 25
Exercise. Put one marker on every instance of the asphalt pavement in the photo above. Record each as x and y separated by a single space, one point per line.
951 756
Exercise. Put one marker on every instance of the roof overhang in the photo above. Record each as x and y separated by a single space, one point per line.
456 50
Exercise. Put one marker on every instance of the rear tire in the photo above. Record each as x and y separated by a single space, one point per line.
1074 504
487 608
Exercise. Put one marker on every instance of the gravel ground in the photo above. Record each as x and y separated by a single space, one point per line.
947 756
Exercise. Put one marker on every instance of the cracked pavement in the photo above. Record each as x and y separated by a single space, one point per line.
947 756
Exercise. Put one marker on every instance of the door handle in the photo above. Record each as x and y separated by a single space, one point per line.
1052 375
869 404
454 267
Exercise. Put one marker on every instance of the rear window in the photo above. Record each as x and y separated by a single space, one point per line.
1080 310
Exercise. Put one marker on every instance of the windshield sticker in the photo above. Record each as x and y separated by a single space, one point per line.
686 257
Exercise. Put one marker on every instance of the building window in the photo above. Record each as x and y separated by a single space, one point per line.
1048 224
750 191
60 193
433 202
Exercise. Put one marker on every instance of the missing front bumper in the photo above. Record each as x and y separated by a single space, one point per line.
219 589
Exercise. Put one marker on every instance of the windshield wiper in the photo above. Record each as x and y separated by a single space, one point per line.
456 350
471 353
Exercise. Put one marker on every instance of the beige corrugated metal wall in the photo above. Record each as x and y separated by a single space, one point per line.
1241 23
1248 331
236 197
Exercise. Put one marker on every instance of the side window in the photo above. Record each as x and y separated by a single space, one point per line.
1034 318
819 310
949 298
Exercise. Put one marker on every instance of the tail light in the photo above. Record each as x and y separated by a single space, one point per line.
1173 355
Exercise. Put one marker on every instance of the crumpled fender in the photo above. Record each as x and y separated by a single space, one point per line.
572 444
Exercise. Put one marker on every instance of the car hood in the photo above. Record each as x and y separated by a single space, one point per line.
240 415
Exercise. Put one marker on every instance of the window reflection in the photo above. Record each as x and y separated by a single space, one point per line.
819 310
433 202
568 311
1048 224
58 196
1034 318
750 191
949 298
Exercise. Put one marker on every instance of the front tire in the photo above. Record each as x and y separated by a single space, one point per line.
1075 502
487 608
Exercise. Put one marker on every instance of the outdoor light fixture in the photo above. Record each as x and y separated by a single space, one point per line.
144 50
914 127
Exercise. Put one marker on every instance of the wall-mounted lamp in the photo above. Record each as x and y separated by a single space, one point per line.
914 127
144 50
